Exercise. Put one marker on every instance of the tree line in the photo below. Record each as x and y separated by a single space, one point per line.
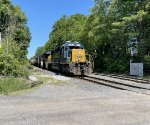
15 39
114 28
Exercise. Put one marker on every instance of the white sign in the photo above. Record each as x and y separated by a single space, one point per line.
136 69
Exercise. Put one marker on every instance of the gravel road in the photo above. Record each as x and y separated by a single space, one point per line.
75 102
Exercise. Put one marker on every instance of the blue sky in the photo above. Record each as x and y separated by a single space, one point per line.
42 14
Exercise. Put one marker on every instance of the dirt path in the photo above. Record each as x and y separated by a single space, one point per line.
75 103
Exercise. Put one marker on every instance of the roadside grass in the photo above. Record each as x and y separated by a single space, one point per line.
146 77
11 84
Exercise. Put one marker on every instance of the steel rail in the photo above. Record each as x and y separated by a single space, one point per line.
137 80
115 84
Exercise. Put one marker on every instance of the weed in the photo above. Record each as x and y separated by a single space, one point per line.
11 84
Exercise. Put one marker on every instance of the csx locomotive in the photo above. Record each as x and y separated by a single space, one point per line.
68 58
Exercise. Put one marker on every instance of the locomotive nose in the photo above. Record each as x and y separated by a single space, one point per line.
78 55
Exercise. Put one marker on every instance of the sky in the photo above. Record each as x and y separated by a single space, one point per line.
42 14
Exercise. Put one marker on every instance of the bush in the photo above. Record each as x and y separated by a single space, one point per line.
11 84
119 65
11 62
11 66
147 64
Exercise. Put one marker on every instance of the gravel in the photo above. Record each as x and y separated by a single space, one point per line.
74 102
62 78
46 73
146 87
33 78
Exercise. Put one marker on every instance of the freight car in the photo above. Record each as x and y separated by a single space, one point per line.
68 58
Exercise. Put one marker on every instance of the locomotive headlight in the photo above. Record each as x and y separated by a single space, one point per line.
88 62
78 61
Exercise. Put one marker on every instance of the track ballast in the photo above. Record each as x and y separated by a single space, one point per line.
142 87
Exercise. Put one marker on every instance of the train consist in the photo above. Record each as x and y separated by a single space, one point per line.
69 58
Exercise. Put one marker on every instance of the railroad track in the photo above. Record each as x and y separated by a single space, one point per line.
130 78
143 88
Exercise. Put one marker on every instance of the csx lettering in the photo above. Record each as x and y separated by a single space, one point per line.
78 56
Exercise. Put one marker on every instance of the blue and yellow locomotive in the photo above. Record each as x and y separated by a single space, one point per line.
69 58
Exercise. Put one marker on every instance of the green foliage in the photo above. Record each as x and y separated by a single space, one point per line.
147 64
108 30
122 21
11 84
13 25
10 61
39 51
116 65
15 40
66 28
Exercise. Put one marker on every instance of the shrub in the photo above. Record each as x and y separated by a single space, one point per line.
11 62
11 66
118 65
11 84
147 64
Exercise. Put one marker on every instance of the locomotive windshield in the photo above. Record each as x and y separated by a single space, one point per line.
75 47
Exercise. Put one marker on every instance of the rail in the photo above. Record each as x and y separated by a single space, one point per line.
143 88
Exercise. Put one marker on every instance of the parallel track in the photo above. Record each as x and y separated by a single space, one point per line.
129 78
143 87
118 85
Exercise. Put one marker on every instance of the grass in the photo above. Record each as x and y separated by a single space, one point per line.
146 77
45 79
11 84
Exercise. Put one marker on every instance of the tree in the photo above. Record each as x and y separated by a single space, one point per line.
39 51
66 29
13 25
136 24
16 37
108 30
